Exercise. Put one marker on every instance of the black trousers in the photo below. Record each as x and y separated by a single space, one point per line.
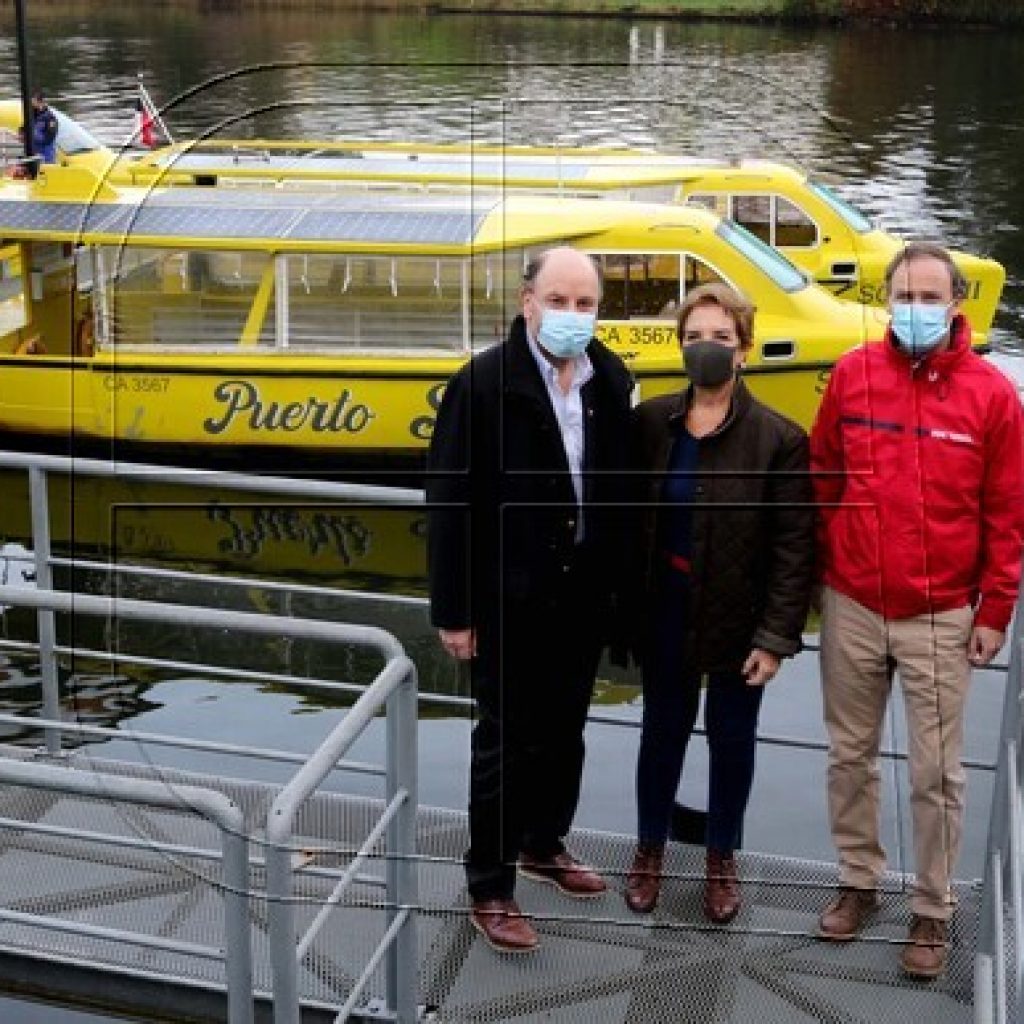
533 680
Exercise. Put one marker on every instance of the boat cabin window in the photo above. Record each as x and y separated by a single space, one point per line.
638 285
755 214
13 310
772 218
212 300
791 226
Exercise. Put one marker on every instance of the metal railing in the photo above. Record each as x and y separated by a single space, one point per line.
216 807
999 961
394 689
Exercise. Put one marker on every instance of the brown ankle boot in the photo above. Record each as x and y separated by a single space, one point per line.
721 888
643 883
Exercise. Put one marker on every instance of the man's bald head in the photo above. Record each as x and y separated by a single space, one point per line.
560 278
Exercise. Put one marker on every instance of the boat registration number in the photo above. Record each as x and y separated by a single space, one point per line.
149 384
637 334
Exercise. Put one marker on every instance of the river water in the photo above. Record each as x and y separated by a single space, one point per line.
921 128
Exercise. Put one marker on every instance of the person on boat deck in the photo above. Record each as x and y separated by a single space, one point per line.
44 130
727 548
918 455
522 570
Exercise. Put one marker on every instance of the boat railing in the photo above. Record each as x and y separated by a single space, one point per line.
999 964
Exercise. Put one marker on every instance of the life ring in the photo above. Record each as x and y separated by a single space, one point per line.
30 346
85 337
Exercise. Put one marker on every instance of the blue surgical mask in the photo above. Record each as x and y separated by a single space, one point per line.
919 327
564 332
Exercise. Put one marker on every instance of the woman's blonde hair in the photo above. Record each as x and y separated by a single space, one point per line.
721 295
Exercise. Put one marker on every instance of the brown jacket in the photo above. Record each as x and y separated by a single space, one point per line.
753 528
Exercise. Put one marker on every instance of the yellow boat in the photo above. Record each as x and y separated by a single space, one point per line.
826 236
236 318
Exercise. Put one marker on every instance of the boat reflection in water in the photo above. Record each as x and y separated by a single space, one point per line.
352 563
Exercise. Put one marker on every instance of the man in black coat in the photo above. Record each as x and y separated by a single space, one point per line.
524 559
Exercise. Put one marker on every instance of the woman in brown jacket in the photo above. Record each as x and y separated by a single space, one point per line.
727 562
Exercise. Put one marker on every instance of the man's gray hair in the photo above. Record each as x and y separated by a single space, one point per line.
919 250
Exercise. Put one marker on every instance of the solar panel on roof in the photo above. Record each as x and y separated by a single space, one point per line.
453 228
60 217
340 221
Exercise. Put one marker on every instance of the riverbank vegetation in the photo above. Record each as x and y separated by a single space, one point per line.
994 12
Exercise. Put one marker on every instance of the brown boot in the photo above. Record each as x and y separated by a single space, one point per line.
643 883
843 919
924 955
721 888
503 926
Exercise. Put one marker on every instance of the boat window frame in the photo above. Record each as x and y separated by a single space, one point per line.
773 213
681 255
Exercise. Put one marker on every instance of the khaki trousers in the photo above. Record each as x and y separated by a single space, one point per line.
858 649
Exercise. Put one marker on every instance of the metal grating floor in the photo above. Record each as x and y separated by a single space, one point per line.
597 962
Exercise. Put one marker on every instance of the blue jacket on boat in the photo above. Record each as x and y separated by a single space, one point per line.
44 135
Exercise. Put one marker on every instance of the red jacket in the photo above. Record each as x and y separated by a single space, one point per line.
919 476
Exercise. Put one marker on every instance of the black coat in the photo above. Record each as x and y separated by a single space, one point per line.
753 528
502 509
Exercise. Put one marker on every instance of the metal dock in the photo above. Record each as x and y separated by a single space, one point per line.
175 895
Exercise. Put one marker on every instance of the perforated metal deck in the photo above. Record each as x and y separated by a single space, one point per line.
597 962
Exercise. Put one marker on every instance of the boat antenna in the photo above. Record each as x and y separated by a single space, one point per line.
26 96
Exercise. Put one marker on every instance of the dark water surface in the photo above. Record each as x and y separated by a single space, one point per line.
922 129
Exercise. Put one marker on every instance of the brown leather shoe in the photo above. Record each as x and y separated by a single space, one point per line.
643 883
565 872
503 926
924 955
843 919
721 888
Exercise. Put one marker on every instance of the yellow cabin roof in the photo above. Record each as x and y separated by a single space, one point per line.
70 204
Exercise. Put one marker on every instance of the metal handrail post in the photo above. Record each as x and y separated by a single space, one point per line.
401 869
281 919
45 618
1016 865
280 822
237 952
984 1010
998 820
999 961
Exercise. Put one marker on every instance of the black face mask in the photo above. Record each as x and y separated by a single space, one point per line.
708 364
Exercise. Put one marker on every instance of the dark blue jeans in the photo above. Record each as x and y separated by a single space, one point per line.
671 699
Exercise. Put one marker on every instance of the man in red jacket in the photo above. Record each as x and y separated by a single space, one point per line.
918 455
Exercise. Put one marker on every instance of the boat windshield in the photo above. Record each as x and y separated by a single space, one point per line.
72 138
850 214
768 260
